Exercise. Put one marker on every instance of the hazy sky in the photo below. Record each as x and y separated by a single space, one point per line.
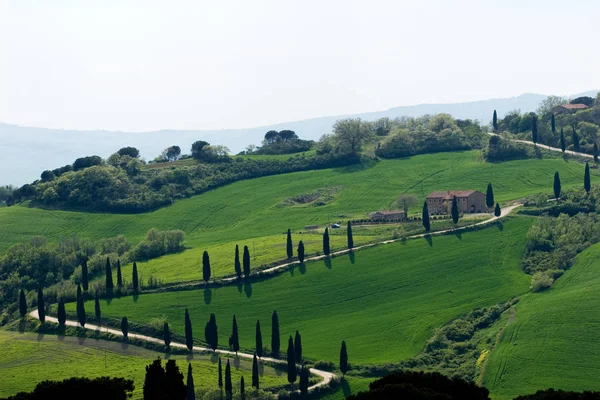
146 65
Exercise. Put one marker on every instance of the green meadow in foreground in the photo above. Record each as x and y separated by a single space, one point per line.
384 301
255 208
27 359
553 340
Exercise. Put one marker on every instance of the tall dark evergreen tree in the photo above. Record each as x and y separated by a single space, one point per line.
298 347
81 316
255 382
211 334
134 278
84 275
228 384
205 266
497 210
553 123
246 261
563 143
326 248
78 292
189 339
259 342
22 303
425 217
495 122
349 235
344 358
119 275
242 389
155 381
454 210
220 373
190 390
301 252
304 378
275 338
175 388
41 306
167 334
125 327
234 341
489 196
596 152
289 246
575 138
534 130
236 262
587 185
62 314
557 188
109 278
97 310
291 361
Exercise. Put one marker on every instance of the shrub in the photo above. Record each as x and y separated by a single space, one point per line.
325 365
541 281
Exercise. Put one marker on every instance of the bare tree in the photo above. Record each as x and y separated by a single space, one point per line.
405 201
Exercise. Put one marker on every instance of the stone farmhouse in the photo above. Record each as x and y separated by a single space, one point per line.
565 108
469 201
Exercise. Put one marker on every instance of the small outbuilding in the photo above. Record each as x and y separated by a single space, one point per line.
394 215
565 108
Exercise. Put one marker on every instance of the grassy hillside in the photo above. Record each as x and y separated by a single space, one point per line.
254 208
26 359
385 301
553 339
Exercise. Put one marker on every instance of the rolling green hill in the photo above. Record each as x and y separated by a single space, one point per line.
553 339
384 301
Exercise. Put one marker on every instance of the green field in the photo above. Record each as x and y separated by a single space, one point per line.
27 359
384 301
253 208
553 339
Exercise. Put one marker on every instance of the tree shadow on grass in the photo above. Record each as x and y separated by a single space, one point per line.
135 298
458 234
302 268
429 239
189 357
352 257
22 325
236 362
261 368
207 296
346 387
248 289
40 336
327 261
499 225
240 286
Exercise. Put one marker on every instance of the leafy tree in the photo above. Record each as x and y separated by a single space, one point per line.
84 275
304 379
553 123
62 314
350 134
166 334
255 382
298 347
197 148
97 309
596 152
326 248
575 138
134 278
344 358
405 201
189 339
236 262
289 246
109 278
246 261
155 381
172 153
211 334
563 144
291 362
275 337
301 252
191 395
557 188
41 306
497 210
22 304
534 130
205 267
129 151
47 176
125 327
242 389
119 276
425 217
454 210
489 196
175 387
77 388
349 235
586 178
495 122
228 384
234 340
271 137
259 342
220 373
166 383
549 103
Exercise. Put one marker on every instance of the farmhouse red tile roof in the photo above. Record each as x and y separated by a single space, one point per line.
448 194
574 106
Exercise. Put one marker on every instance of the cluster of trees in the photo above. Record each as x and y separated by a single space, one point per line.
501 148
282 142
76 388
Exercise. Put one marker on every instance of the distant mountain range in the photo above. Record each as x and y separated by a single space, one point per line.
26 152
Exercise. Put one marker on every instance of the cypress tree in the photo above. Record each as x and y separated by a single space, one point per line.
289 247
275 338
228 384
246 261
205 266
495 121
259 342
189 339
497 210
41 305
291 362
119 276
22 304
255 382
78 291
242 389
489 196
191 395
534 131
62 314
81 316
84 275
220 374
563 144
166 334
236 262
454 210
109 278
596 152
211 335
557 188
575 138
301 252
344 358
235 340
125 327
303 384
586 178
425 217
134 278
298 347
553 123
349 234
326 248
97 309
